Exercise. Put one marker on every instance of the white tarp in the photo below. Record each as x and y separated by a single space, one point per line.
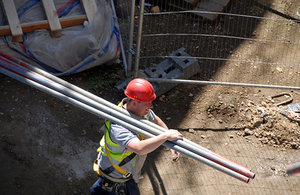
79 48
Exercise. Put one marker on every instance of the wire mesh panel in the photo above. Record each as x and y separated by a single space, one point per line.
261 39
236 43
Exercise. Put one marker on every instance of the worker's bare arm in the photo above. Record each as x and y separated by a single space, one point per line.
146 146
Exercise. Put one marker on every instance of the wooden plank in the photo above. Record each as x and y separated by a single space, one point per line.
52 17
44 24
13 20
90 8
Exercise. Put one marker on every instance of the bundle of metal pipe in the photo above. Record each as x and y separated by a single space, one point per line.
61 89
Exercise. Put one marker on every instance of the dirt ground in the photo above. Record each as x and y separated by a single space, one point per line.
48 146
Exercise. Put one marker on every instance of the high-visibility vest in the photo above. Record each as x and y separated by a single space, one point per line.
116 152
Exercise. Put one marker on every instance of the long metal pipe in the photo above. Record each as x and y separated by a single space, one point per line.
139 37
149 126
26 78
208 154
120 39
178 81
130 38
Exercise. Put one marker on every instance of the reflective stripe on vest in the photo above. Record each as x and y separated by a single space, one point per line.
117 153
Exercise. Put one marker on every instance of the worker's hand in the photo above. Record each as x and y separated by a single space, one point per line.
175 155
173 134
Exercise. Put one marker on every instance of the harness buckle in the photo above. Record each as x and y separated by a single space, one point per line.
126 175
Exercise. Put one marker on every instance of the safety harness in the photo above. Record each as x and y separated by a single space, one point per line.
108 183
106 151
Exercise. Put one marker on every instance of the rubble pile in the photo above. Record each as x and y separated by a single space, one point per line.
259 116
272 125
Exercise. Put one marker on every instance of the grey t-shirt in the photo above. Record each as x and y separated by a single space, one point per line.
123 136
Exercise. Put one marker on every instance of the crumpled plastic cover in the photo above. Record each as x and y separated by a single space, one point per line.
79 48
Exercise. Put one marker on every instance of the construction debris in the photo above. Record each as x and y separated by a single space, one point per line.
179 65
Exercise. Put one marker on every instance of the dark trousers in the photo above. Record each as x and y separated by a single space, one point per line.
96 189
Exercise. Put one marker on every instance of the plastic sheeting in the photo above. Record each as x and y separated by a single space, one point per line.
79 48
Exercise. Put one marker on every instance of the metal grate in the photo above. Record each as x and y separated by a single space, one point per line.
246 43
244 40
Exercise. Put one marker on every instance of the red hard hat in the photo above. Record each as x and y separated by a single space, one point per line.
140 90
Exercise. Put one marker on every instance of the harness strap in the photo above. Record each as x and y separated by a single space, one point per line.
123 162
127 159
117 167
100 172
114 179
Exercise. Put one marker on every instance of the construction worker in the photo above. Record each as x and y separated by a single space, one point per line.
122 152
